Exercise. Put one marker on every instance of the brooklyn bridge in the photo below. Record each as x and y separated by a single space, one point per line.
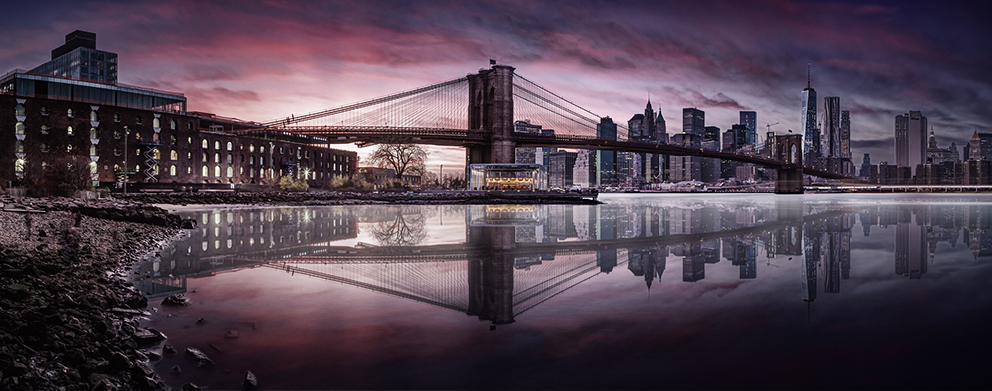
478 112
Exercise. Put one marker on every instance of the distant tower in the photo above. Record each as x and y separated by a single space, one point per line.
910 140
750 120
831 127
811 135
845 134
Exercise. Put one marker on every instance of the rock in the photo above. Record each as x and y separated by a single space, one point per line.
202 359
250 382
176 369
144 337
201 321
190 387
153 356
120 362
178 299
231 334
168 349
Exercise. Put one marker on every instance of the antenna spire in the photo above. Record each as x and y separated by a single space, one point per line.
808 85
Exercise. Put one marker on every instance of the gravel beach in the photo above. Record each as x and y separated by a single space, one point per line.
68 315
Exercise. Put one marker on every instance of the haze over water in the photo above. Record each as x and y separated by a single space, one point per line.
645 291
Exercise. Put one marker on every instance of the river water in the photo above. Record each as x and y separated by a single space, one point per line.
645 291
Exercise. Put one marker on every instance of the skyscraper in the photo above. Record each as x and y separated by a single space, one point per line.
910 137
750 120
845 134
693 121
606 171
831 127
811 135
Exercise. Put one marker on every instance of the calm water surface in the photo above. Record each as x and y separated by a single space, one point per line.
669 291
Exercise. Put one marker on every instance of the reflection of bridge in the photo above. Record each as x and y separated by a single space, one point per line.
490 276
483 123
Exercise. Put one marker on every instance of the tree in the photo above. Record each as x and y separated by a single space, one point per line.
66 174
402 158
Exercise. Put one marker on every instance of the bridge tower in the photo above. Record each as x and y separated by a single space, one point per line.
789 149
490 112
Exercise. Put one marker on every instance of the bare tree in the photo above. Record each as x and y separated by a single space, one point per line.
406 228
402 158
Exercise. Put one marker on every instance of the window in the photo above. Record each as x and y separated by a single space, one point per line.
174 155
117 151
156 123
251 148
217 145
206 144
230 172
189 126
44 147
117 118
261 160
117 134
189 170
205 158
94 151
44 129
172 170
217 171
206 171
45 111
68 130
69 113
172 139
251 159
94 133
19 110
19 128
216 158
230 146
262 150
94 116
138 120
172 125
230 159
189 140
189 155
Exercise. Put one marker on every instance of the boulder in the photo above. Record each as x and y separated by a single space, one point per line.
201 359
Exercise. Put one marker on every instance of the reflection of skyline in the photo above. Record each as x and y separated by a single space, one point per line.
513 259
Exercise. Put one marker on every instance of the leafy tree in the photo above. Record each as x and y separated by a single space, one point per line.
402 158
288 183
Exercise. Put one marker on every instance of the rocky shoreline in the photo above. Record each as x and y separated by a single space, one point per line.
68 315
362 198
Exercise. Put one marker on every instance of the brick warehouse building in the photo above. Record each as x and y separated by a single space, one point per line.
86 112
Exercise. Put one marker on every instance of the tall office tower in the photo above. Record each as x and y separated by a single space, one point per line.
911 144
79 58
831 127
693 121
635 128
659 163
750 120
661 127
562 169
649 128
865 167
585 168
606 169
845 134
811 135
685 168
710 167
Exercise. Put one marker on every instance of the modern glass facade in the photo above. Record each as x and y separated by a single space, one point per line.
750 120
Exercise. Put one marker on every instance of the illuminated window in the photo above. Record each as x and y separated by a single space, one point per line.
206 144
205 158
19 110
230 172
156 123
117 118
174 155
94 151
251 148
69 113
230 146
19 128
117 151
216 158
217 145
117 134
94 133
230 159
94 116
172 170
44 129
172 139
206 171
172 124
217 171
68 130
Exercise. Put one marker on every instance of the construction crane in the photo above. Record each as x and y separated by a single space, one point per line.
769 126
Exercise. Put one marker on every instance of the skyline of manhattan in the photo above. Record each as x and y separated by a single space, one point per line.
266 61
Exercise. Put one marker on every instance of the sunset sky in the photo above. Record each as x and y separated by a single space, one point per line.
264 60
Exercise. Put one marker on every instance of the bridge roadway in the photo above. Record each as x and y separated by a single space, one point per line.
367 135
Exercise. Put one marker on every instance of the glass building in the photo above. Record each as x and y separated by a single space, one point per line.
811 134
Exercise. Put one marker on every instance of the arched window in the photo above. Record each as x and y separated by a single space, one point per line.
230 159
117 134
94 116
68 130
217 171
157 154
216 157
45 111
94 133
19 128
19 147
19 110
205 158
69 113
155 137
172 124
230 146
156 123
172 139
174 155
206 144
117 151
172 170
217 145
44 147
230 172
44 129
206 171
94 151
117 118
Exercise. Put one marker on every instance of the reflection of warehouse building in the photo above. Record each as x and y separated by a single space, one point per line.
77 107
221 236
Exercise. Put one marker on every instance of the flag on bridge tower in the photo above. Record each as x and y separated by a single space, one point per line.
492 62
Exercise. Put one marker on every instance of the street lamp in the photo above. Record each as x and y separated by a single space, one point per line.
127 133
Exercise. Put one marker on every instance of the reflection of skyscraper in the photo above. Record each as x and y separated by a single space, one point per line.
911 250
606 260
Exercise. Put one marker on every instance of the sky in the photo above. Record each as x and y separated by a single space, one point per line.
267 59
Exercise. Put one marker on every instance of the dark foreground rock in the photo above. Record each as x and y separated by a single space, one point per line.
68 317
360 198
